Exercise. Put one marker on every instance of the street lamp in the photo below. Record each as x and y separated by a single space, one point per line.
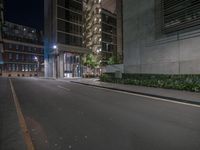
37 60
55 48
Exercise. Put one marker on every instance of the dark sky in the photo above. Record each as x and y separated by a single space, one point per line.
25 12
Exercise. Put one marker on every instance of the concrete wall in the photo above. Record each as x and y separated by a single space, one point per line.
114 68
145 51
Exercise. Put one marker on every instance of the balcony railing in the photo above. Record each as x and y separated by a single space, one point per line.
20 39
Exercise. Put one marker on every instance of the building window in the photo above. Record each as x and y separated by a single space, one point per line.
13 67
23 69
69 39
10 56
180 14
9 67
17 56
17 47
35 67
17 67
22 57
26 68
30 67
10 46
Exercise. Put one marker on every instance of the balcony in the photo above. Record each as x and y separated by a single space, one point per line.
20 39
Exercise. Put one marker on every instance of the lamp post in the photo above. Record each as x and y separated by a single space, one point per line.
55 48
38 65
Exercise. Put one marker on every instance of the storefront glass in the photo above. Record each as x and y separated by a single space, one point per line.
72 65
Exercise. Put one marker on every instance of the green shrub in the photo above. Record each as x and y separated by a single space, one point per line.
179 82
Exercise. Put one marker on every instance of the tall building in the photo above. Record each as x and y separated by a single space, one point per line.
101 29
109 35
92 26
63 38
162 36
74 28
23 53
1 41
119 13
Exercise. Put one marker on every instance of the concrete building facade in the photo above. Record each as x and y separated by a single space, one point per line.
161 36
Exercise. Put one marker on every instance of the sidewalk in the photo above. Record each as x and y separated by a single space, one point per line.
11 137
175 95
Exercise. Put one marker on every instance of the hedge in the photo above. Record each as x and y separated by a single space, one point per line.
178 82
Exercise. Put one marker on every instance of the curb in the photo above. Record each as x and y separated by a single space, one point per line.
47 78
141 93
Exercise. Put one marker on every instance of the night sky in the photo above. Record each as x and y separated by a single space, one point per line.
25 12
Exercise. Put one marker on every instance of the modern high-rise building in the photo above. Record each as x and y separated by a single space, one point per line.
1 12
99 30
63 38
102 30
74 28
109 35
119 13
23 51
161 36
1 41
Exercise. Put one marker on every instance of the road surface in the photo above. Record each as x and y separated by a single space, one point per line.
62 116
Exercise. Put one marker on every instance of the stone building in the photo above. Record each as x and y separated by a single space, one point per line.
23 52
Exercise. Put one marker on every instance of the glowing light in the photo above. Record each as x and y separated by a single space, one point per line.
55 47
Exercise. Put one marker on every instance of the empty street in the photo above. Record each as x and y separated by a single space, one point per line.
61 115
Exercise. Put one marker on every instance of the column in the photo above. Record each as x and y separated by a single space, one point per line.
61 65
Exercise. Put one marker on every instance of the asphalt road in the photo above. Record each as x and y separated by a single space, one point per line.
63 115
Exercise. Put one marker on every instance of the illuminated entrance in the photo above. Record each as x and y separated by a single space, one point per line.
72 65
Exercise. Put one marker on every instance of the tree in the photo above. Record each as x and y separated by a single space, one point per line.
91 61
113 60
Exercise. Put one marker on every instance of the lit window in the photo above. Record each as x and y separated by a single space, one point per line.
26 67
10 55
22 67
17 56
13 67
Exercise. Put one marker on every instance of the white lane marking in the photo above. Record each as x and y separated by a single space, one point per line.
61 87
149 97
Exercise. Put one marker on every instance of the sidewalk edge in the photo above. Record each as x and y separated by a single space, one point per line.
141 93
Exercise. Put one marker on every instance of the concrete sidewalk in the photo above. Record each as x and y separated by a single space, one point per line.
11 137
175 95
